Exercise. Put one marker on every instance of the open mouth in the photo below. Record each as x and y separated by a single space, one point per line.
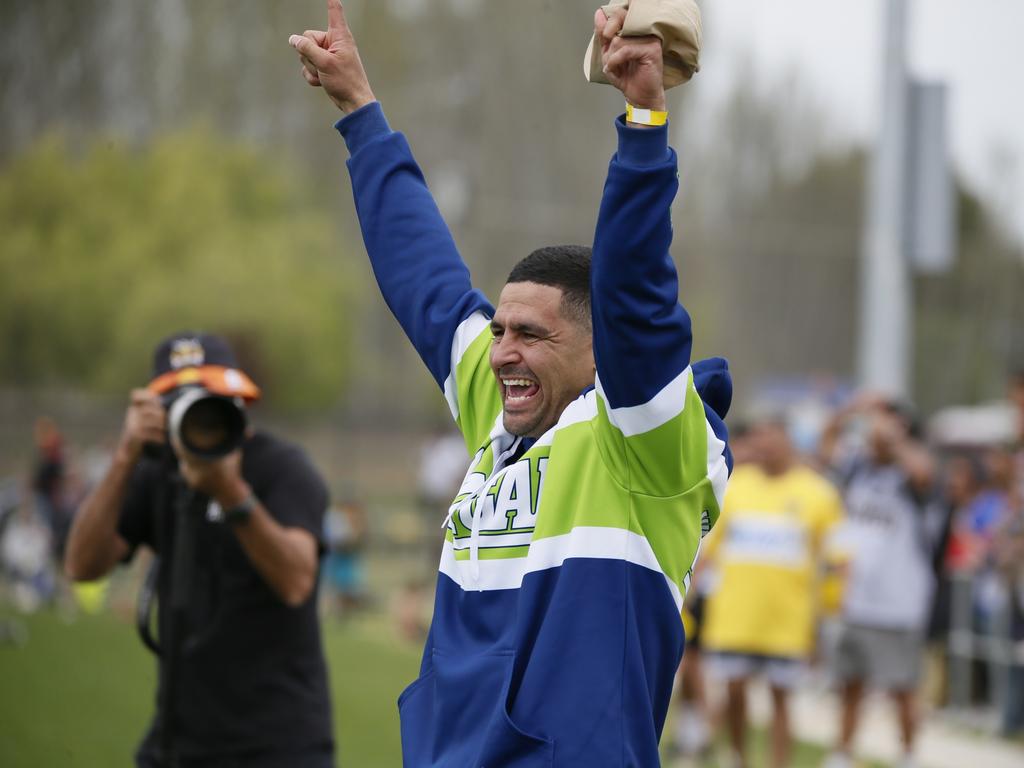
519 391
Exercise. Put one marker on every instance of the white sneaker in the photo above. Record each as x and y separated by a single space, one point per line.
729 759
692 733
838 760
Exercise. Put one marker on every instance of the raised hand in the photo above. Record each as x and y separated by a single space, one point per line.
144 422
634 65
220 479
330 60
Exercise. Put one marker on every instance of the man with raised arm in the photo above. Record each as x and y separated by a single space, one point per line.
556 629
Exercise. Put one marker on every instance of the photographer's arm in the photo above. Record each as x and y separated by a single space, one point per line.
286 557
94 546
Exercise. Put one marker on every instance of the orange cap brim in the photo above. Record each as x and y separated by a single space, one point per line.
219 380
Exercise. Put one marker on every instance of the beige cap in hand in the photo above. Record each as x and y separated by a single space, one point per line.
675 22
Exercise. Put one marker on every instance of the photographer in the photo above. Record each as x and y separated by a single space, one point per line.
235 517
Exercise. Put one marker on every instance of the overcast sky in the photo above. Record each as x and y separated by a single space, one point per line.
975 46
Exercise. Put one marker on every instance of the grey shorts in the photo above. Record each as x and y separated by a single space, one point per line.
889 659
780 671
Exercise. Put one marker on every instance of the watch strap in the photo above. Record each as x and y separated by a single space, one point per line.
242 511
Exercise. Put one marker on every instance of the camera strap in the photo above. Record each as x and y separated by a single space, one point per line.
186 518
144 607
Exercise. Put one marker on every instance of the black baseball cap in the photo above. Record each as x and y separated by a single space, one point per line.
192 358
905 411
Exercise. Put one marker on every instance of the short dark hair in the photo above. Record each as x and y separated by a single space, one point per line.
566 267
907 414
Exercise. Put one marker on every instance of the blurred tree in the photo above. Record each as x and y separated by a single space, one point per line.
969 319
103 254
514 145
773 261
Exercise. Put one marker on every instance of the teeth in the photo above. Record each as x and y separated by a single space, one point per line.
509 383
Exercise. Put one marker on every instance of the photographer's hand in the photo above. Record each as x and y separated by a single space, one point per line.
144 422
285 557
220 479
94 546
331 60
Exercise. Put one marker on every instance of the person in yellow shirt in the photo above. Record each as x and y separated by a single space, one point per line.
767 553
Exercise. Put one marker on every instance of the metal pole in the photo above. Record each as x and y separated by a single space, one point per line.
961 653
885 314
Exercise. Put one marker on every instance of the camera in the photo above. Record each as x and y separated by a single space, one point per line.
204 394
206 424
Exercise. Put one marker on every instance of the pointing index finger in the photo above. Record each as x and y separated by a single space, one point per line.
335 16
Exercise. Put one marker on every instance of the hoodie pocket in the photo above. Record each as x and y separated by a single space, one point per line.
509 746
457 715
416 718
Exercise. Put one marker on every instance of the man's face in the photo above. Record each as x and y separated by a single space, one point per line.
885 431
773 446
541 358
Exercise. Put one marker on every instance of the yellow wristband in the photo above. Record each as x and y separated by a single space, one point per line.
645 116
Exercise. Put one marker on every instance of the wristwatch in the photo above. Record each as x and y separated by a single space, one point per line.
241 512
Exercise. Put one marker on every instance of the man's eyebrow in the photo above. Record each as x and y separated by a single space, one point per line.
520 327
530 328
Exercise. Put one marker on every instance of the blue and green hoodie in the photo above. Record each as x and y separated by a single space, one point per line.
556 631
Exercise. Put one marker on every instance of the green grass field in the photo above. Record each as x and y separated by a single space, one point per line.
79 694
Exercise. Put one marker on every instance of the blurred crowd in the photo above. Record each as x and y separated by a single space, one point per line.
36 514
882 555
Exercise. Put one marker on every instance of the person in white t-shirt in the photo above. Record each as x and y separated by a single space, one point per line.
889 537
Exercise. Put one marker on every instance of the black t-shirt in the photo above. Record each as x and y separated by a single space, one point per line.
250 673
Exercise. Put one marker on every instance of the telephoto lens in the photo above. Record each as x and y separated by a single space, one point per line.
207 425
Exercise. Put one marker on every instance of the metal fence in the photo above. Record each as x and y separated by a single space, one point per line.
979 646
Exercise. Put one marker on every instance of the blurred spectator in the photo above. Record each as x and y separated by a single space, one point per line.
49 483
48 468
442 468
694 724
411 611
766 550
986 515
25 559
892 535
1009 558
743 444
979 494
346 529
963 478
694 721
